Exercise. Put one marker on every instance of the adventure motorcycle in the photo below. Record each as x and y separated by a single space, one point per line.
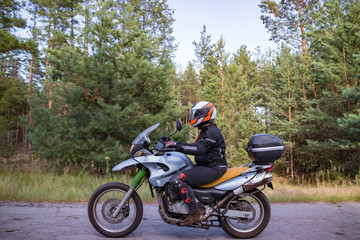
232 202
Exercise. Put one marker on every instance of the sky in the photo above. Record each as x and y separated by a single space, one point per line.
238 21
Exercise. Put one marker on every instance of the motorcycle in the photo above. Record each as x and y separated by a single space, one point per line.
232 202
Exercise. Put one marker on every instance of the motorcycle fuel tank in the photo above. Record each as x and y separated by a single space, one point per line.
163 167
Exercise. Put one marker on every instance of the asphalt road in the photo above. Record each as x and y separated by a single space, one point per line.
313 221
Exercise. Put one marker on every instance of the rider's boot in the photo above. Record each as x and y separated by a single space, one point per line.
192 218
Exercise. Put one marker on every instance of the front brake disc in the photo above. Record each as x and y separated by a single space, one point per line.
109 208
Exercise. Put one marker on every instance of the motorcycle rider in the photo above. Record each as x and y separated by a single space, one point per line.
209 150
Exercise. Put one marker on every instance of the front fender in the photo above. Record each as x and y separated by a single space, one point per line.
125 164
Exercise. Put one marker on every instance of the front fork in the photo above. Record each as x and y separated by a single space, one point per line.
135 183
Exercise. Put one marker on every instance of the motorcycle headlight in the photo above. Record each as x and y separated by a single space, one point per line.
135 147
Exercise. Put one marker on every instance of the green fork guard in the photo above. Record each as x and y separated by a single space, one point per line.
138 178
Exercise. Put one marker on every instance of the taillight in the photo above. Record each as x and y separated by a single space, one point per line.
271 168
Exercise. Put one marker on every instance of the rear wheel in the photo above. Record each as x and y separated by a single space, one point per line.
103 203
256 204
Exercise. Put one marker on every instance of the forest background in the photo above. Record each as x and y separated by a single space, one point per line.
94 74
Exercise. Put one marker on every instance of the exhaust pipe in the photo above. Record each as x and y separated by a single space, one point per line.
254 183
220 204
258 180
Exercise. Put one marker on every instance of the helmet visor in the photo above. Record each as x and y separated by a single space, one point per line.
194 114
198 113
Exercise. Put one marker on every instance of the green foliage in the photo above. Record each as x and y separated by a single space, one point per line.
102 101
100 72
13 107
10 20
203 48
187 83
12 101
288 21
101 105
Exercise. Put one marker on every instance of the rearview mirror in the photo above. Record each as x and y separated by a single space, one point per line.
178 125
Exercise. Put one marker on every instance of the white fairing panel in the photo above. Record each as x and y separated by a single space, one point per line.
235 182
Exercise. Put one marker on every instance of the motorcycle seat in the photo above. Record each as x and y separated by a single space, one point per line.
230 173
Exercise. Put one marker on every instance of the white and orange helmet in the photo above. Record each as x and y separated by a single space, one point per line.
202 112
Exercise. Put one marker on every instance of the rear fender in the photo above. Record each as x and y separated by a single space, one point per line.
125 164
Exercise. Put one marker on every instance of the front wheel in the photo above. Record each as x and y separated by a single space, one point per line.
257 209
103 203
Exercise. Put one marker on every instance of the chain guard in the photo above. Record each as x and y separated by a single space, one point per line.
109 207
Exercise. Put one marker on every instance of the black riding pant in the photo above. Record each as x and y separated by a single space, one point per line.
200 175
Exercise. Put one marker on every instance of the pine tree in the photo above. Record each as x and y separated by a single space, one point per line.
282 100
241 118
9 20
187 88
335 68
10 44
104 98
213 76
289 20
349 143
13 107
13 90
203 50
157 18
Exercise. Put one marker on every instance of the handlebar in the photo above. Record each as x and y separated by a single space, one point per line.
160 146
165 149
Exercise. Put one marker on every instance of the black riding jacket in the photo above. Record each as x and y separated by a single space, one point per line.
209 148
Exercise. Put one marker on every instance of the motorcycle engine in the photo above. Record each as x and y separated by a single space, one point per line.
179 207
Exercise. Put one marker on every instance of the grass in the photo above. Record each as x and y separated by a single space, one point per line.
284 192
44 186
